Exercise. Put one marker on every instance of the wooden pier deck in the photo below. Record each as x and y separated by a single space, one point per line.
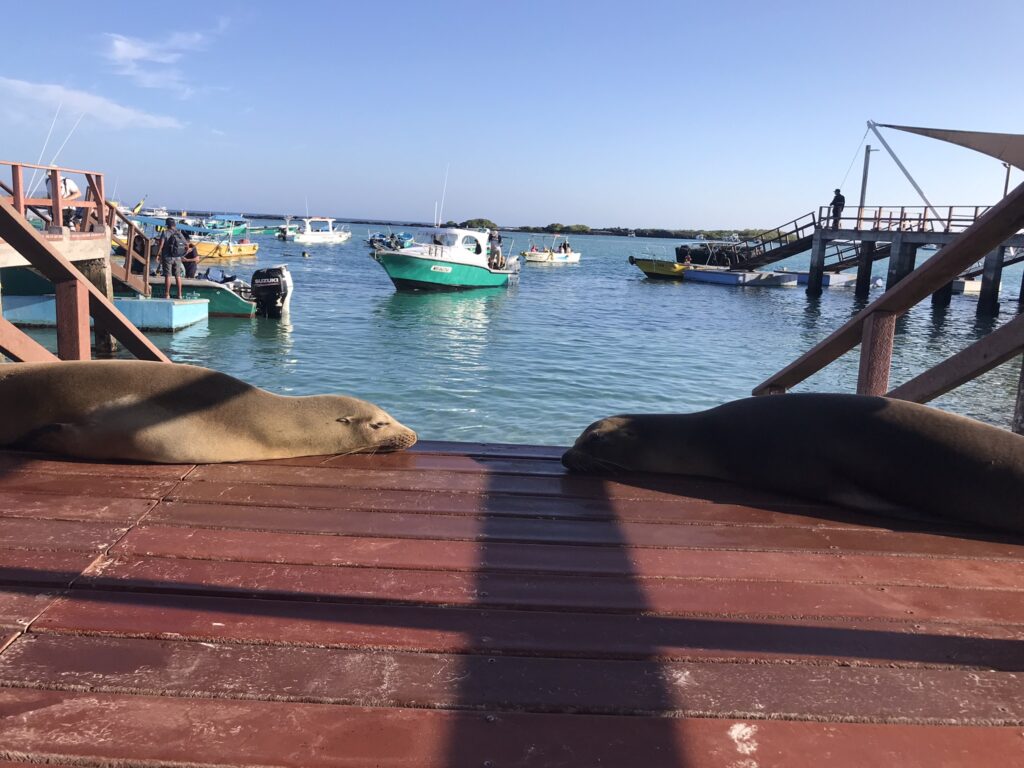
473 605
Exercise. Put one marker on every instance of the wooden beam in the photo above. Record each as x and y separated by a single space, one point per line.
18 189
999 222
993 350
876 354
56 201
22 348
41 254
73 320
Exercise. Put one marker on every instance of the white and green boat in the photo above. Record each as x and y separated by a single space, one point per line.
450 259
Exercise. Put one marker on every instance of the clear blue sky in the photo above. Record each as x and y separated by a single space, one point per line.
673 114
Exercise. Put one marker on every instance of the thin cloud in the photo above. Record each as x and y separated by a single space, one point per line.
150 63
101 109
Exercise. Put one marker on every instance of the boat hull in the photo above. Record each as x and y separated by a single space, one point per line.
226 250
409 272
333 239
223 301
548 257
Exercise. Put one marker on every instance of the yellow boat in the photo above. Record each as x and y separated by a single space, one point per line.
661 269
226 250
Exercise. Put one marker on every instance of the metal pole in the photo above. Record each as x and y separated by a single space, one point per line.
1006 184
874 127
864 179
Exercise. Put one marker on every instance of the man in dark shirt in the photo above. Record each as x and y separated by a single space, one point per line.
837 205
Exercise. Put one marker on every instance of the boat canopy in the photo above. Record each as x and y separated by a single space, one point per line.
467 238
1008 147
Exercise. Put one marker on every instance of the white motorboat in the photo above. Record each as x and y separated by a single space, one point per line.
556 253
315 230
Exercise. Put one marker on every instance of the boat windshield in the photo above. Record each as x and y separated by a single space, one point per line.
319 226
471 244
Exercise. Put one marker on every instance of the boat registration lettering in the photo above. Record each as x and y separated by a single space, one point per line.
439 268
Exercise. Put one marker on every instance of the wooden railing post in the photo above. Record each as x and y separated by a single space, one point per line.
18 189
72 320
876 353
56 201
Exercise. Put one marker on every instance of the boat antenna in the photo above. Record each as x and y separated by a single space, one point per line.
60 149
35 171
306 197
444 191
437 221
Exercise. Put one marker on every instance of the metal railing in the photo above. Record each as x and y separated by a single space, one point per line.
873 328
797 229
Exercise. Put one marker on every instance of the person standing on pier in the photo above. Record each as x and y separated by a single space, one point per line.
837 205
170 251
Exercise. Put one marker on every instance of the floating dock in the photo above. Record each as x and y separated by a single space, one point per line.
474 605
144 313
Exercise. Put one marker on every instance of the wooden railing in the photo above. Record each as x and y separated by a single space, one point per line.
88 211
948 219
798 228
77 299
137 251
874 326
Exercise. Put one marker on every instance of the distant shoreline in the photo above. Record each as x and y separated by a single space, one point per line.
649 232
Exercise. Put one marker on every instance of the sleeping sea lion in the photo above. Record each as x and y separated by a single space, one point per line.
869 453
172 413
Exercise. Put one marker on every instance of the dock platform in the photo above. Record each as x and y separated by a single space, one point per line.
473 605
148 314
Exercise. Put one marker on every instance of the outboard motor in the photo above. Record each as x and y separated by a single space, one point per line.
272 290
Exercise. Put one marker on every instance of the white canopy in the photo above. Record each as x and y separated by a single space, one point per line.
1008 147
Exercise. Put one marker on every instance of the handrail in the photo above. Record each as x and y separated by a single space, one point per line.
132 256
873 327
903 218
91 205
76 298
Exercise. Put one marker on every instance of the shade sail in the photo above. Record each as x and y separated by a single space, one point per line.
1008 147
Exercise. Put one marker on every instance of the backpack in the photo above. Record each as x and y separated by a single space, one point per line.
176 244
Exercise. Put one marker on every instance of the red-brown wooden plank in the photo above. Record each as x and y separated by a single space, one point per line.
500 450
339 676
540 633
105 728
680 510
73 536
617 594
17 481
37 462
58 507
260 546
646 488
612 533
427 462
20 605
41 567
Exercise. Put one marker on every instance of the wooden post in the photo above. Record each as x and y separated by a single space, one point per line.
817 274
943 296
988 300
865 262
72 320
902 256
1018 411
18 189
876 353
56 201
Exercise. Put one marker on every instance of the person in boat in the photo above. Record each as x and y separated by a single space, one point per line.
533 248
687 260
568 248
191 260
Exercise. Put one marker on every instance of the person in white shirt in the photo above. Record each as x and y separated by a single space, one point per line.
68 191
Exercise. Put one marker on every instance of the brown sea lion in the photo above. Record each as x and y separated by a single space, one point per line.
172 413
869 453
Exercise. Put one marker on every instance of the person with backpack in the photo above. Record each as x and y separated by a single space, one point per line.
170 251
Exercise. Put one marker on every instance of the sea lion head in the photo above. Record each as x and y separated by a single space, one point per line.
351 425
606 446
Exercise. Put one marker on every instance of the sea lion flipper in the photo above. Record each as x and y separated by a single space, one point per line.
43 437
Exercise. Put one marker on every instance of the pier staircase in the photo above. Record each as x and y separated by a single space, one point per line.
873 328
131 269
81 306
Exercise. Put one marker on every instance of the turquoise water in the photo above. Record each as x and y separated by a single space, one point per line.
539 361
